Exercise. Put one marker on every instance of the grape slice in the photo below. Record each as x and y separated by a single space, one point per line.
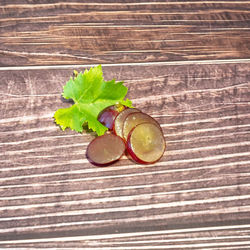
108 115
119 120
105 149
146 143
134 119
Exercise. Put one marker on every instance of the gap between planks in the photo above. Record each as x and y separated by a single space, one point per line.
132 234
69 66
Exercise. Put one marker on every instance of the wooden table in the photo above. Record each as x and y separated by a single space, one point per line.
187 64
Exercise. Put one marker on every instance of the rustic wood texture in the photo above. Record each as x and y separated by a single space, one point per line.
83 32
196 197
187 64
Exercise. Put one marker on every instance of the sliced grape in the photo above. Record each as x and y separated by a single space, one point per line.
108 115
146 143
120 118
105 149
134 119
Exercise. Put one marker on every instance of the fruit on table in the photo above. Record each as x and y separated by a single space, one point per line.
146 143
120 118
108 115
131 130
134 119
105 149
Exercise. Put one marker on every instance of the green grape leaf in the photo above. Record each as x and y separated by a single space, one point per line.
91 94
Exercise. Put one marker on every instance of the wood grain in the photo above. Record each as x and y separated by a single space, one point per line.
83 32
187 64
196 197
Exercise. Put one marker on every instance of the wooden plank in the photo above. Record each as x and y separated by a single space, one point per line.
83 32
196 197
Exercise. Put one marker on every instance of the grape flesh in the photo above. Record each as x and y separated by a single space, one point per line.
105 149
146 143
134 119
120 118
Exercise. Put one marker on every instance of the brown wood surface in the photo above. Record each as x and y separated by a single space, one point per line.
187 64
83 32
